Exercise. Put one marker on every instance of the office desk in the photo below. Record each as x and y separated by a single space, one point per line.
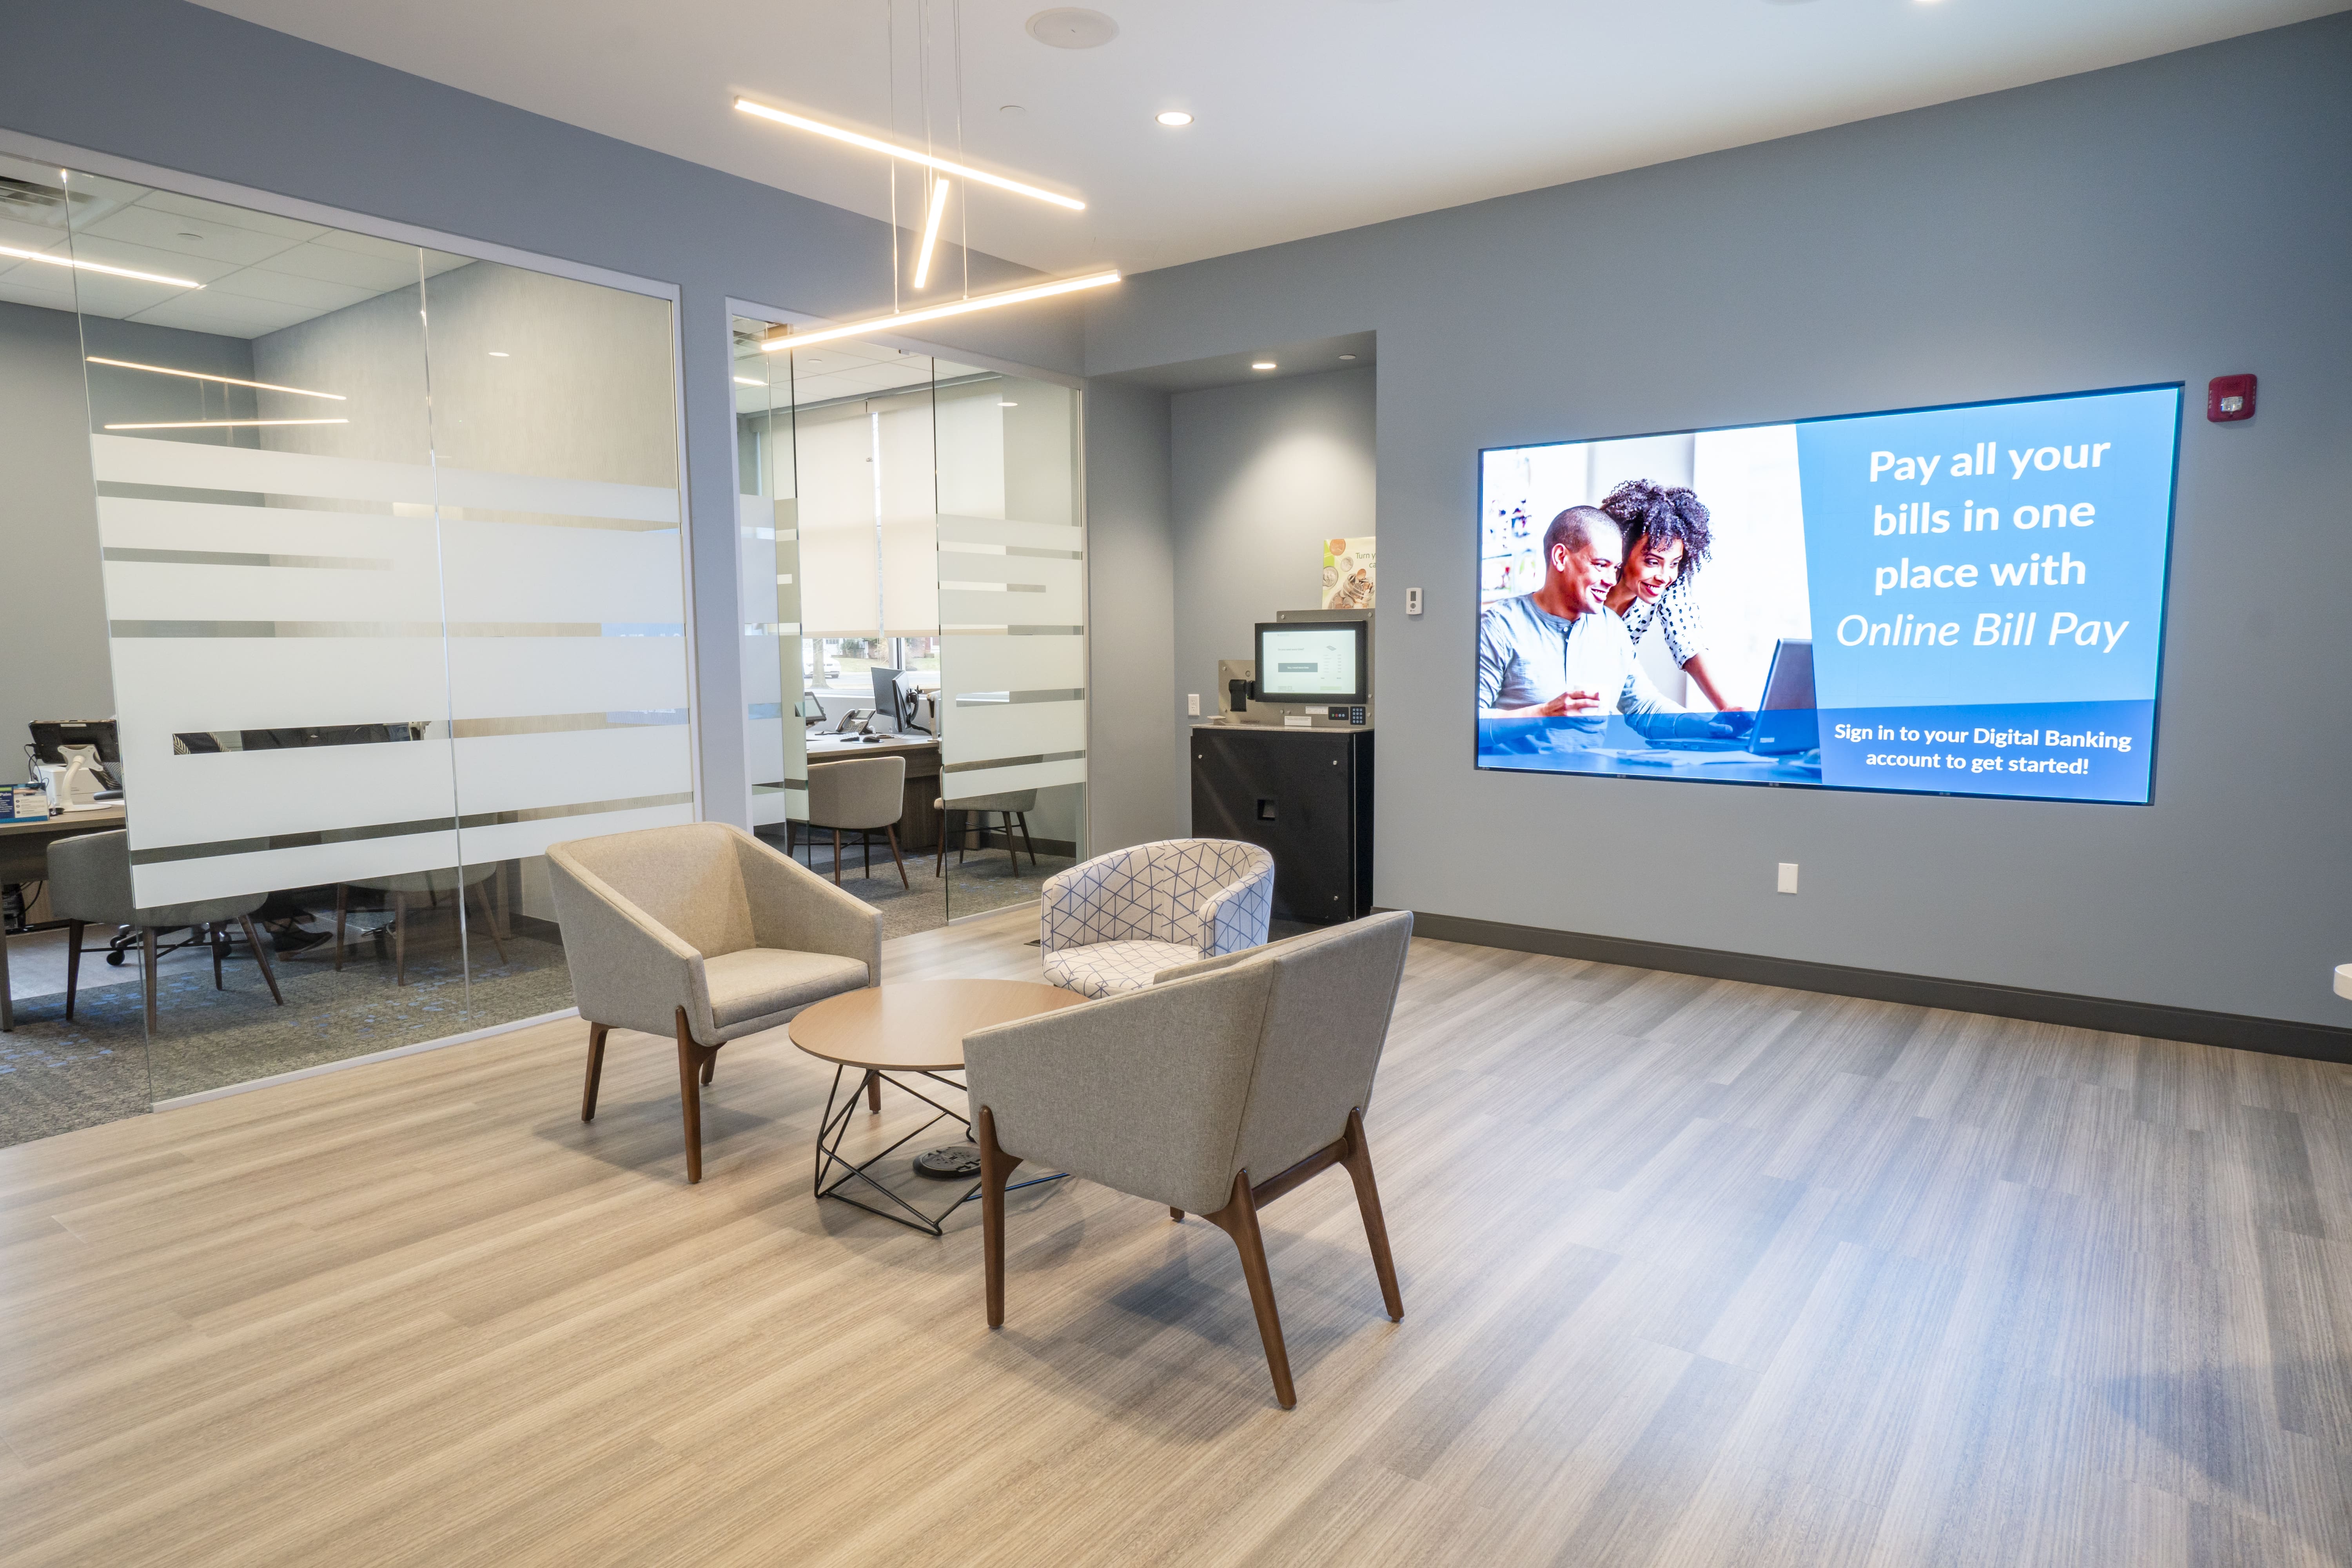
25 840
919 828
25 858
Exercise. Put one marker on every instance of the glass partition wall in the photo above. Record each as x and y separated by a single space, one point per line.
389 544
920 520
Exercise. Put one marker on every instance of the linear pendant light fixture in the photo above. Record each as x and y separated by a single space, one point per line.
81 266
224 380
931 231
891 149
801 338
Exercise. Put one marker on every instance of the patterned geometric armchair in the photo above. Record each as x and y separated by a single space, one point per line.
1114 922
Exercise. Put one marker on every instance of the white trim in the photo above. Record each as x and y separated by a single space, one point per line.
41 150
323 1069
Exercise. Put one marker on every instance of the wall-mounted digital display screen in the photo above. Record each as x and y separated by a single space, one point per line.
1966 600
1310 661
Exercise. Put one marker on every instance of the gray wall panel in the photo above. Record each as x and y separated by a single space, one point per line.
2174 219
1132 636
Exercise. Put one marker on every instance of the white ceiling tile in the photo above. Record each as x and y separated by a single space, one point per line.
317 295
228 315
221 213
377 273
171 232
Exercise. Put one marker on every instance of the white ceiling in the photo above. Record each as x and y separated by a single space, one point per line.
257 272
1313 115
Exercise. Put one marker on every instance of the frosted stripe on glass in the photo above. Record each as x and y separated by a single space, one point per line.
1014 663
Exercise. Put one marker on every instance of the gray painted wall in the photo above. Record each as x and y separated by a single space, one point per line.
2095 231
1262 474
148 79
1132 636
52 594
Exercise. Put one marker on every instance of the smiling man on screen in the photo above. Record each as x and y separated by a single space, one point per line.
1559 652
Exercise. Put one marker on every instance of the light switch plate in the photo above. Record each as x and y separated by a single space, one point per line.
1413 601
1788 876
1191 704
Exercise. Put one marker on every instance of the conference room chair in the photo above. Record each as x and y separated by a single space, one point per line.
703 933
863 795
1114 922
1224 1086
955 822
402 889
89 884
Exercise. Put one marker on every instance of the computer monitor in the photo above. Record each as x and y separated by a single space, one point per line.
51 736
1786 722
1311 662
885 693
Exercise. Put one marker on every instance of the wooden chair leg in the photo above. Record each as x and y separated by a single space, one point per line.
689 1094
836 856
1238 1219
866 839
490 920
1358 1161
596 1033
709 1063
73 964
947 822
400 939
1026 839
342 895
1176 1214
896 859
996 1168
260 956
147 973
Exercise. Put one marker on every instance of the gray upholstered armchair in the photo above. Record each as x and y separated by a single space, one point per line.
704 932
1225 1085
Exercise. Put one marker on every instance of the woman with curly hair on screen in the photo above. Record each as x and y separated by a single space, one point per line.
1667 540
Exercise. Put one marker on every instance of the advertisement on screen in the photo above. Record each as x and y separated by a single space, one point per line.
1966 600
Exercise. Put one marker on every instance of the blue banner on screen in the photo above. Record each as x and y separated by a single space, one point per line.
1951 601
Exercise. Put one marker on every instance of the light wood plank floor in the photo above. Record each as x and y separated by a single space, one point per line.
1695 1272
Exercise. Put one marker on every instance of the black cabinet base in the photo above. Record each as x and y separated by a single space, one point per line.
1303 796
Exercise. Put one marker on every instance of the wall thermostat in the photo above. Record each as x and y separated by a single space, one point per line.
2229 397
1413 598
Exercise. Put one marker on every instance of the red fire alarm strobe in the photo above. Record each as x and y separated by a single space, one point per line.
2229 397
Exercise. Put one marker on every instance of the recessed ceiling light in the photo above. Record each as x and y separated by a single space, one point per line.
1347 356
1264 365
499 353
747 381
1173 117
1011 110
1001 403
1071 27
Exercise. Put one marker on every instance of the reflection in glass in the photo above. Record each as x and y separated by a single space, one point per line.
390 542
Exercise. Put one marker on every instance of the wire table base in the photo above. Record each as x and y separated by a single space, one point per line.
838 1113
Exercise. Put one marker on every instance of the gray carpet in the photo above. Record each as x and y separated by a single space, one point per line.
56 1075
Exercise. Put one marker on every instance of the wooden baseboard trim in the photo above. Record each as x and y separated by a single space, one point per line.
2278 1037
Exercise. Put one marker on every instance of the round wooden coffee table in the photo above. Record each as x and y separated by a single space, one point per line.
894 1033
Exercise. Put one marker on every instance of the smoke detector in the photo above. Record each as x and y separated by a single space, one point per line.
1071 27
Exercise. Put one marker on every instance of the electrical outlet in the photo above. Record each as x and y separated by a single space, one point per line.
1191 704
1788 876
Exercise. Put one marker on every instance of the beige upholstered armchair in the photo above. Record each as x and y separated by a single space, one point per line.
705 931
1225 1085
